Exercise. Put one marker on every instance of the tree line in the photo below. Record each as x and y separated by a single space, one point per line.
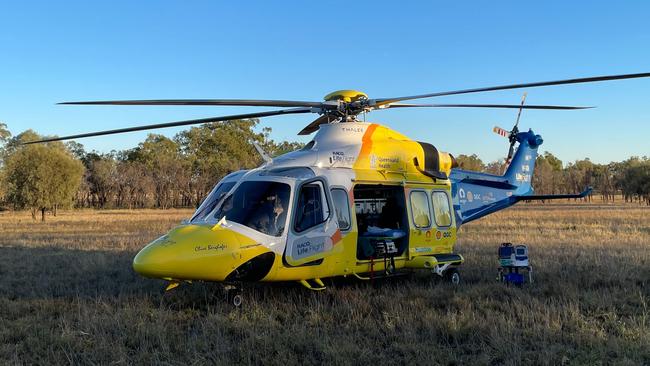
164 172
160 172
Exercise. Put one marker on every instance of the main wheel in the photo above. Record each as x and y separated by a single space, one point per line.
453 276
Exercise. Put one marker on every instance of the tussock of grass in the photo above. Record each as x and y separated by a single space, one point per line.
68 295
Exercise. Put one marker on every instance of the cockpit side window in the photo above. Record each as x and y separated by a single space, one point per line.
342 207
261 206
210 203
312 206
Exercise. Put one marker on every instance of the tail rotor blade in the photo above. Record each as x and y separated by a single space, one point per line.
501 132
523 100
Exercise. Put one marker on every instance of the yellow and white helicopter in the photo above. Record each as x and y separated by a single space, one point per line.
359 200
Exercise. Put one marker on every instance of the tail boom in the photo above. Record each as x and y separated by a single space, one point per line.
479 194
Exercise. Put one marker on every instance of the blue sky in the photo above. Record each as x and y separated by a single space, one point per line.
86 50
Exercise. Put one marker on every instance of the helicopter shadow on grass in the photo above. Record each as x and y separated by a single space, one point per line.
90 275
209 295
58 273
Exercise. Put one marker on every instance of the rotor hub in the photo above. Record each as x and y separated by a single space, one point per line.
346 96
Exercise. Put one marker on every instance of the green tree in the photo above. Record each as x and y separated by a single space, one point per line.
5 135
496 167
470 162
212 150
161 157
548 177
42 177
101 174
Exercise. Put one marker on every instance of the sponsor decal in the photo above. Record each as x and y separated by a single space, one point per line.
164 241
525 168
428 234
217 247
386 163
352 129
470 196
250 246
528 157
422 250
381 162
308 247
443 234
520 177
461 193
488 197
340 158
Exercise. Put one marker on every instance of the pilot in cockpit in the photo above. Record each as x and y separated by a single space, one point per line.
271 215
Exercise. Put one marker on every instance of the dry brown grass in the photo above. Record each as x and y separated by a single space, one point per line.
68 295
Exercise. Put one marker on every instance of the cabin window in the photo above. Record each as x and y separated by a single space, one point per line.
261 206
420 209
341 207
441 208
210 203
312 206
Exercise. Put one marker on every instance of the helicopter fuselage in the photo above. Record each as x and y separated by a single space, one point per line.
360 199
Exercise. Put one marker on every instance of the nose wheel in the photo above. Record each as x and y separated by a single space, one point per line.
234 296
236 300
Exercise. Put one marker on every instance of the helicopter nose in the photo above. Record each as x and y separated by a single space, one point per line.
194 252
150 262
187 252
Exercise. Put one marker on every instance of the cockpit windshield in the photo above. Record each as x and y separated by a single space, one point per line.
262 206
212 200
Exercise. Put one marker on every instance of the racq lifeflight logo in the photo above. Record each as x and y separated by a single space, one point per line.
341 158
308 247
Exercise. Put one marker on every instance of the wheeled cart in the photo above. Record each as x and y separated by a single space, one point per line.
512 260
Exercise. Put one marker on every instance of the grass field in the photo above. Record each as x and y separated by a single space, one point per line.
68 295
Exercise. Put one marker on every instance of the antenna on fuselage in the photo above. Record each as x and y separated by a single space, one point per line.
263 154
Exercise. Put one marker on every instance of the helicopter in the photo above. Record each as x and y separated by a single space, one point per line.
360 199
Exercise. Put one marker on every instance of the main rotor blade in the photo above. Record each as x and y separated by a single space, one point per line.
315 124
178 123
224 102
382 101
513 106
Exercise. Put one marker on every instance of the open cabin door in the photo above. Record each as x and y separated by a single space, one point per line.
314 228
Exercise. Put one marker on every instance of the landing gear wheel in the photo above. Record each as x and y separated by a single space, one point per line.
234 296
237 300
453 276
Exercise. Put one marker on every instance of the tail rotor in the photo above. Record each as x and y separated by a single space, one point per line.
512 134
